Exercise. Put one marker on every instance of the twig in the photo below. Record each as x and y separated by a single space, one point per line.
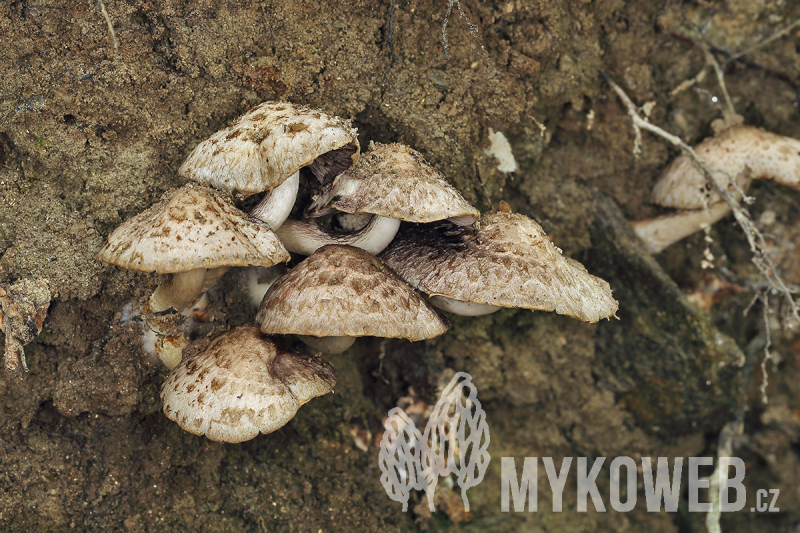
765 42
767 354
390 33
712 62
754 237
102 7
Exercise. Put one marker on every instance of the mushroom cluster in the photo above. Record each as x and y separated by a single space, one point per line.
380 231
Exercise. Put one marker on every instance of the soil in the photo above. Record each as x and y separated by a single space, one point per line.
91 135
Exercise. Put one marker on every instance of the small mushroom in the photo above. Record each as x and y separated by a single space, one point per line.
264 150
195 233
242 384
393 183
23 308
342 291
507 262
737 155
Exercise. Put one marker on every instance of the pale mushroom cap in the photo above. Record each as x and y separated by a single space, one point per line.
394 181
742 153
193 227
242 384
344 291
508 261
267 145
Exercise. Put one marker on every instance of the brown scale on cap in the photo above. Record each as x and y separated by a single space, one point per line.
508 262
241 384
394 181
194 227
344 291
267 145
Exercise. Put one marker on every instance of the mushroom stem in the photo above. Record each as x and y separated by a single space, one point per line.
462 308
178 291
183 289
276 205
661 232
328 345
306 237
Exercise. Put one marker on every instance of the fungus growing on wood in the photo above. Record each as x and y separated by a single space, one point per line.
242 384
507 262
342 291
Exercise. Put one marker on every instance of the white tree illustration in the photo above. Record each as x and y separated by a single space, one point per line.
457 437
400 457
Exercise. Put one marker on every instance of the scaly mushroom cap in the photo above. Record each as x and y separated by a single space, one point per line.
344 291
394 181
742 153
193 227
508 262
267 145
240 384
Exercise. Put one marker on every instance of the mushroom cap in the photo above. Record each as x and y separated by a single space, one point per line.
240 384
265 146
394 181
344 291
193 227
742 153
508 261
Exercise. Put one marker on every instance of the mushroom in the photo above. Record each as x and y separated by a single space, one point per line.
195 233
342 291
392 182
242 383
737 155
507 261
264 150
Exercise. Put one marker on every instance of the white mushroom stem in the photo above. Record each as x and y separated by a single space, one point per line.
328 345
306 237
183 289
276 205
462 308
661 232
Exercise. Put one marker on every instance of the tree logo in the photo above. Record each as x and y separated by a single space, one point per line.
455 442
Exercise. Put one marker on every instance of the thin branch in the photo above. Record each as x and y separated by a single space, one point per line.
765 42
102 7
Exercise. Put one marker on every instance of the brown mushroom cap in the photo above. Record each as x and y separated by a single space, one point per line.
269 144
394 181
194 227
344 291
741 153
240 384
508 262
